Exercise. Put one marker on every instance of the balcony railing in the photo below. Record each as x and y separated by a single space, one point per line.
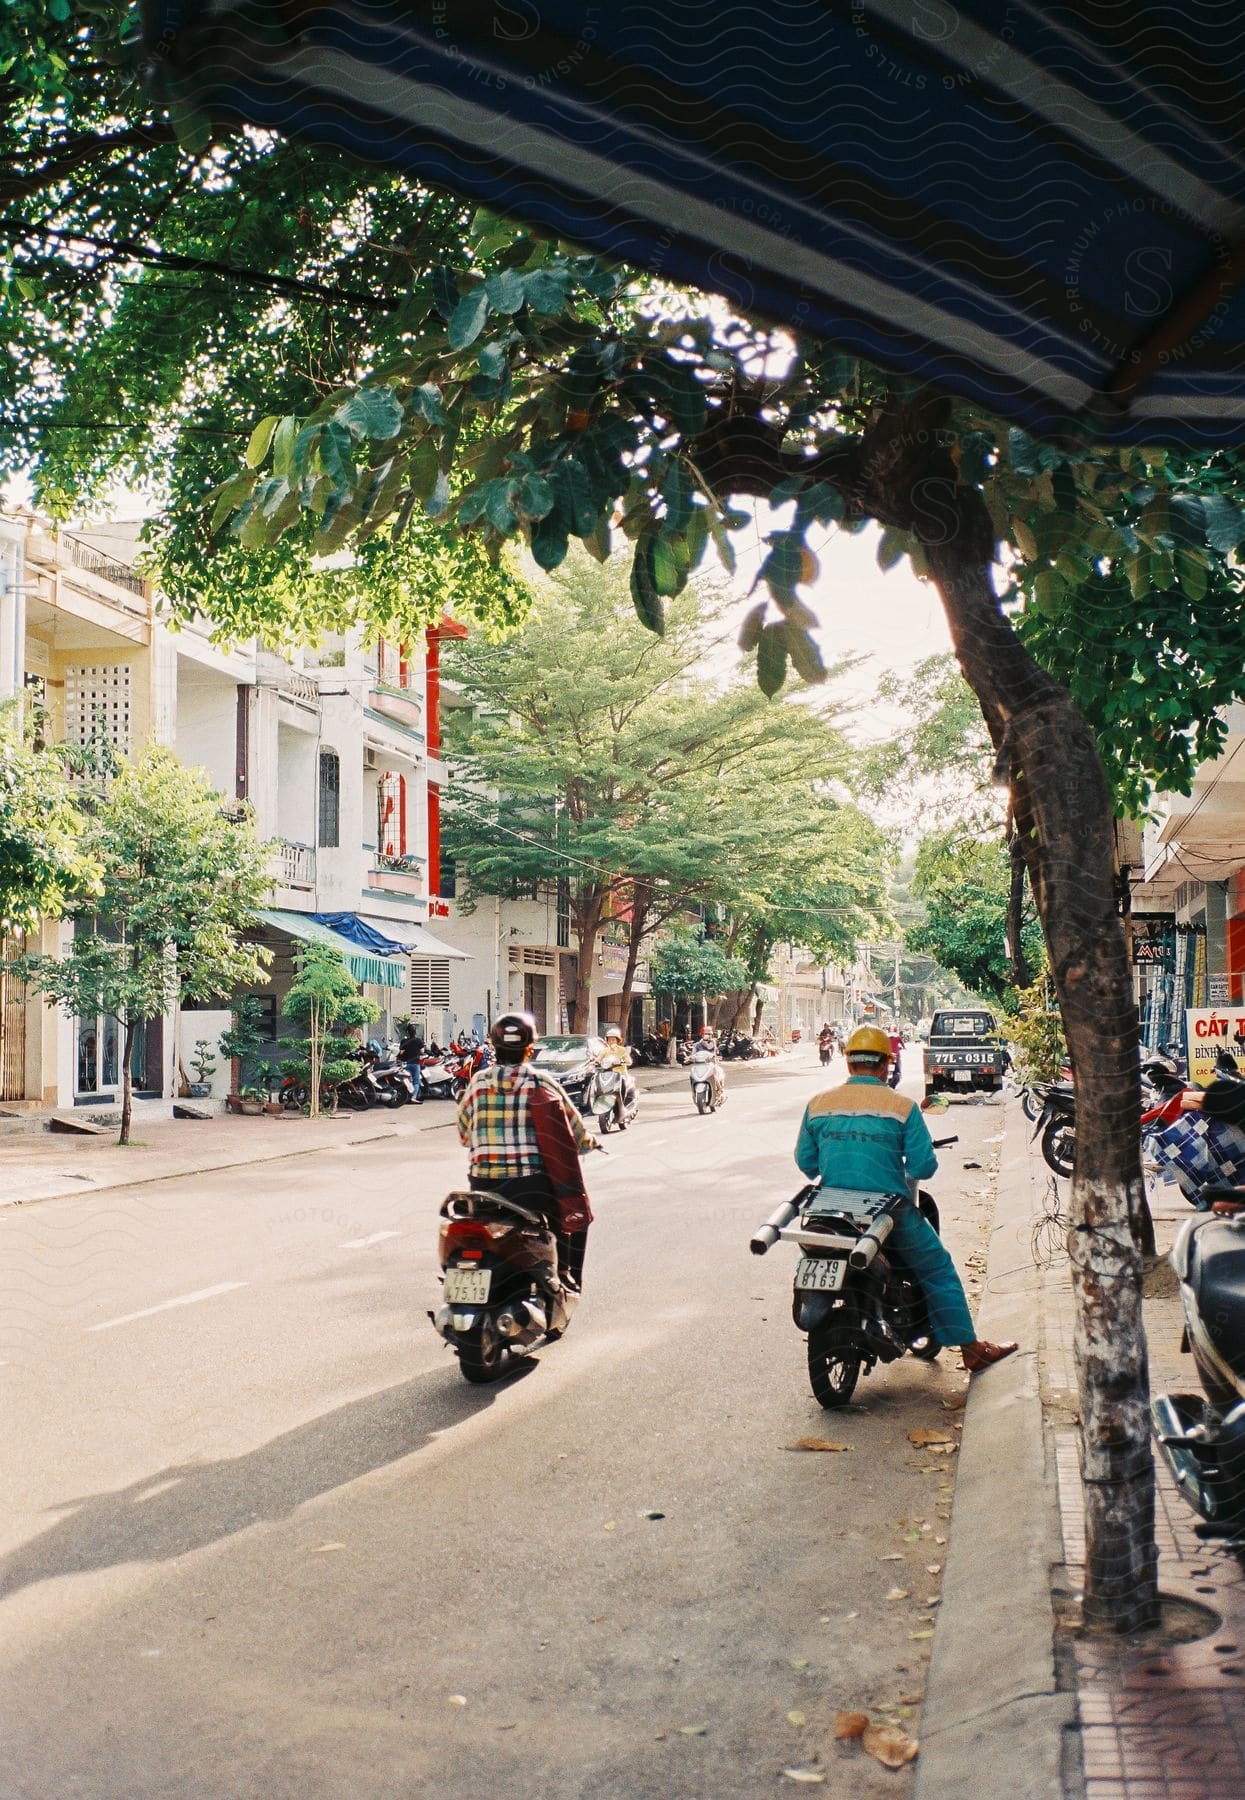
95 562
297 863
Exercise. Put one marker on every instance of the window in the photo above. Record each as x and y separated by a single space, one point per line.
430 981
97 705
391 815
449 878
330 799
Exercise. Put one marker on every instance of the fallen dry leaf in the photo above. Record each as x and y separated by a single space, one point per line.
923 1435
323 1549
898 1593
912 1699
890 1745
811 1777
458 1699
891 1556
693 1731
916 1635
610 1525
933 1568
796 1718
798 1662
939 1540
815 1443
954 1402
850 1724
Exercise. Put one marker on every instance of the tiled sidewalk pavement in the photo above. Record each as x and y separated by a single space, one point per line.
1166 1724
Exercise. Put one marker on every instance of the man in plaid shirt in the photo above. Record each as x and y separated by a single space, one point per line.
495 1123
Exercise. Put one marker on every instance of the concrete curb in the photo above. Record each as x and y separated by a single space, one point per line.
994 1719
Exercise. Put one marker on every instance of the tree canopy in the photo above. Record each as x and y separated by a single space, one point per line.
966 886
617 762
44 863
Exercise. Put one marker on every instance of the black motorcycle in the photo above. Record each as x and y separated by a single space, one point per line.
501 1294
1203 1440
1057 1127
858 1306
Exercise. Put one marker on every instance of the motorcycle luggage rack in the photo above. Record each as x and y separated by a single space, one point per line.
469 1203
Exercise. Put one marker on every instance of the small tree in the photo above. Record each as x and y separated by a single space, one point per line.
242 1042
685 966
326 1000
43 860
1037 1032
180 883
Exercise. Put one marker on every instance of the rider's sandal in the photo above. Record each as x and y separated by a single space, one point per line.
982 1355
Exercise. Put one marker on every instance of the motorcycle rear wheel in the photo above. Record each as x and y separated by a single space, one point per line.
1059 1145
834 1361
1030 1104
702 1102
481 1353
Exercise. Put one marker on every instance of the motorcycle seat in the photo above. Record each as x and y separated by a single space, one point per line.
1216 1274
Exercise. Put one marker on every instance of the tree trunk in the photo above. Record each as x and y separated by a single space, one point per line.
637 931
127 1080
1062 808
587 930
1021 974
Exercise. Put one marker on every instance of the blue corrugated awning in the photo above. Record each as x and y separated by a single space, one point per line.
1040 207
388 969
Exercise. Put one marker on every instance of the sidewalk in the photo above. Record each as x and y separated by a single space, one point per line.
42 1165
1014 1685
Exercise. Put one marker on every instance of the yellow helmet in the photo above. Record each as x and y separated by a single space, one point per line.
867 1043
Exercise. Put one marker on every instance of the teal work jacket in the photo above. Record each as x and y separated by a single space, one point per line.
864 1135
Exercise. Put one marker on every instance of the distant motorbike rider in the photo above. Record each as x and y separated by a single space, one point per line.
861 1135
617 1056
704 1059
525 1140
825 1044
896 1043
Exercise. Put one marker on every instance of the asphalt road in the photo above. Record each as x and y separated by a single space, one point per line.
261 1539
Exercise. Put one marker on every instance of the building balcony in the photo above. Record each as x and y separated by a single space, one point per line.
396 874
401 708
295 864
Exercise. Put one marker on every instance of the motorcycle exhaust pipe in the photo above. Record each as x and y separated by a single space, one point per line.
766 1235
868 1246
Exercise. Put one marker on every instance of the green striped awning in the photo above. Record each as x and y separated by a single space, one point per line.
382 971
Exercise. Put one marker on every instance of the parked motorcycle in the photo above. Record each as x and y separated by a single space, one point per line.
1203 1440
609 1084
445 1077
708 1089
502 1295
1057 1126
858 1306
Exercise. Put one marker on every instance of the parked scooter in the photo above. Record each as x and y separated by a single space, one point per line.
444 1077
1203 1440
858 1306
610 1083
502 1294
1057 1126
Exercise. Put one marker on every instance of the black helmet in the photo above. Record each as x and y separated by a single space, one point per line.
512 1035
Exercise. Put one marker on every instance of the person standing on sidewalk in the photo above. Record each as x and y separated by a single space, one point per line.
862 1135
410 1050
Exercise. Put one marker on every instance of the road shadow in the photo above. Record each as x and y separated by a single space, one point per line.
190 1505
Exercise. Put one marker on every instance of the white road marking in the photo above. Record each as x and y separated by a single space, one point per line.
362 1243
225 1287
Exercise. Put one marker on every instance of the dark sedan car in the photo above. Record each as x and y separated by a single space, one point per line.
573 1062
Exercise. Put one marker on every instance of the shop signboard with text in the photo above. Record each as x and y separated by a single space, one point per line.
1208 1031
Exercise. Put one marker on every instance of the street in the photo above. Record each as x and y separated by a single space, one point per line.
262 1539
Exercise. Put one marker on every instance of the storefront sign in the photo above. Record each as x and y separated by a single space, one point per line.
1208 1030
1148 929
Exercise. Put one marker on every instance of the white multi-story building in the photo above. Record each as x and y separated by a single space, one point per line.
335 750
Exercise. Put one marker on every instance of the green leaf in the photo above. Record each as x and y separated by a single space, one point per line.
371 412
821 503
1193 575
422 468
229 496
443 284
597 542
506 291
804 654
772 659
750 630
534 497
1225 524
283 443
892 547
261 437
426 404
721 540
492 360
550 539
668 578
782 567
676 491
545 290
643 589
467 319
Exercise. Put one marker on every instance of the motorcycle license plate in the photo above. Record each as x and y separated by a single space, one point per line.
824 1274
467 1287
963 1075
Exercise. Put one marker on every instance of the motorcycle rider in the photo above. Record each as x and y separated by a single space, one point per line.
896 1038
825 1044
862 1135
410 1052
497 1123
617 1056
706 1047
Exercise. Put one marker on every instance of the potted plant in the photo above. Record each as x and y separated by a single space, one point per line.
251 1101
267 1078
204 1065
241 1044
